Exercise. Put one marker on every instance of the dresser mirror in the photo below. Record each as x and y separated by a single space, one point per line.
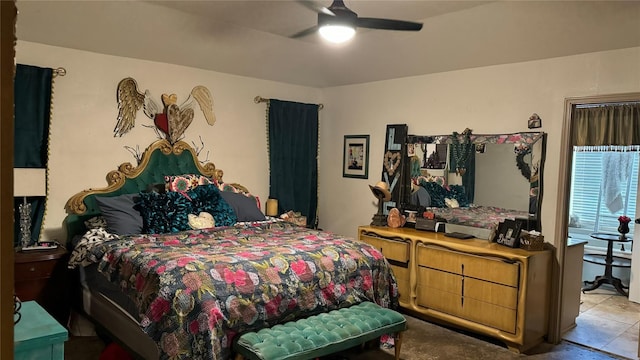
498 170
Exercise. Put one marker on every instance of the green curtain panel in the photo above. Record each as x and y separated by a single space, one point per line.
469 177
32 91
293 157
611 124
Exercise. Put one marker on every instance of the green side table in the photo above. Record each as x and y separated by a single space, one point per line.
38 335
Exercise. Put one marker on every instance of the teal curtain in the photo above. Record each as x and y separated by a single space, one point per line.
32 99
469 177
293 157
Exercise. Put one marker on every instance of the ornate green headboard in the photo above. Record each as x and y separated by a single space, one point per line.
159 159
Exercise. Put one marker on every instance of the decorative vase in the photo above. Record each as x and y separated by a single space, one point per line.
623 229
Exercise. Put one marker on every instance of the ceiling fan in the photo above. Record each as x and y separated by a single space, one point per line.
337 23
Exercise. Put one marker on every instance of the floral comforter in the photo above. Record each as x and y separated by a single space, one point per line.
195 290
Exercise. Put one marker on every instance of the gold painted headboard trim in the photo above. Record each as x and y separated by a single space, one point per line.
116 179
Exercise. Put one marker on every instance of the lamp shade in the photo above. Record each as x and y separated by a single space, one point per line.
29 182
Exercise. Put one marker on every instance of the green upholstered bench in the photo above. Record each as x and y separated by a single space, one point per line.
322 334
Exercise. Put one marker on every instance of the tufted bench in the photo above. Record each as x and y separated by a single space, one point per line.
322 334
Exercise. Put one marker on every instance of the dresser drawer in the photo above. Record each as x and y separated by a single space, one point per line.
485 268
34 270
440 280
394 250
482 302
439 300
491 293
491 315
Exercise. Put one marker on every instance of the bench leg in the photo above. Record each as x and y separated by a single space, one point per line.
397 344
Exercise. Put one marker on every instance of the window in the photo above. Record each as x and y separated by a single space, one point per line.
588 211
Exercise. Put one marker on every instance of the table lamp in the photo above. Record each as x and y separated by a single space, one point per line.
28 182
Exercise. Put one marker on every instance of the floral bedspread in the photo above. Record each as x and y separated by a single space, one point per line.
486 217
195 290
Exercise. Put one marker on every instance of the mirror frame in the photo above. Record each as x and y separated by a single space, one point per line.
527 138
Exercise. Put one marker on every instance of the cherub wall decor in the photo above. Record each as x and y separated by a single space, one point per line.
171 119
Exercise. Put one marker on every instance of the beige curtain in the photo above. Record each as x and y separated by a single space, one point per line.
607 125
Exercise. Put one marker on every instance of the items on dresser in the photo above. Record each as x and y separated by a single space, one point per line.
470 284
41 275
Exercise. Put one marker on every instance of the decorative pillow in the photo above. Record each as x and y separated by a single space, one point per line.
436 192
95 223
440 180
457 192
203 220
228 187
121 214
186 182
81 254
207 198
244 207
169 212
451 203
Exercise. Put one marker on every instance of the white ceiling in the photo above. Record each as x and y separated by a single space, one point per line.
251 38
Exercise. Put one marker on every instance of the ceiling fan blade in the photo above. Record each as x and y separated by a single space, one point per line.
304 32
315 6
388 24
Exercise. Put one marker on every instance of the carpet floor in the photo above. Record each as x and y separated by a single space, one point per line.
423 341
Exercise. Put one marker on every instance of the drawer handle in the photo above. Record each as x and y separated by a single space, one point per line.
32 269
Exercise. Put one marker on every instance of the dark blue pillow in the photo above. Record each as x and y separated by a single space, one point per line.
168 212
457 192
244 206
121 214
436 192
164 212
207 198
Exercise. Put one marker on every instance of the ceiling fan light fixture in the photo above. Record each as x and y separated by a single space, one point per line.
337 33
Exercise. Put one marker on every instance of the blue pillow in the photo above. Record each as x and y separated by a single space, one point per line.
207 198
436 192
457 192
168 212
244 206
121 214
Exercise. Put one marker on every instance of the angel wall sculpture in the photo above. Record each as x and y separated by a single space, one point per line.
171 119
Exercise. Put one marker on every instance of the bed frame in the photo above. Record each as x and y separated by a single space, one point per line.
161 158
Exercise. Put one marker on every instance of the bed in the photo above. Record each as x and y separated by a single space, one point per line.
173 293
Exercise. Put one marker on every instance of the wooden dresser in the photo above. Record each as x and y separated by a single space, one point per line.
471 284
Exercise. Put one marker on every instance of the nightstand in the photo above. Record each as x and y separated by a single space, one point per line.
37 335
41 275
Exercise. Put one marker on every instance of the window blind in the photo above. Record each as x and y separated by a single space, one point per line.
587 210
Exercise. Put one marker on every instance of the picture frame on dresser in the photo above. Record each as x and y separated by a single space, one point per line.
355 160
508 233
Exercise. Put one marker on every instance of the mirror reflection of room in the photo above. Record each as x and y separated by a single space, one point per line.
476 183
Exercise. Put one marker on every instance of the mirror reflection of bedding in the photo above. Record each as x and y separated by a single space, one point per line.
191 291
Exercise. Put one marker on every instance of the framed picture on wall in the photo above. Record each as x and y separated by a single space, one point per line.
355 160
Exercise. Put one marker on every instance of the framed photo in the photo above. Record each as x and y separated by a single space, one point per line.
508 233
355 160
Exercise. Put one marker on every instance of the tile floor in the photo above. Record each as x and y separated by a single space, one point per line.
607 322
